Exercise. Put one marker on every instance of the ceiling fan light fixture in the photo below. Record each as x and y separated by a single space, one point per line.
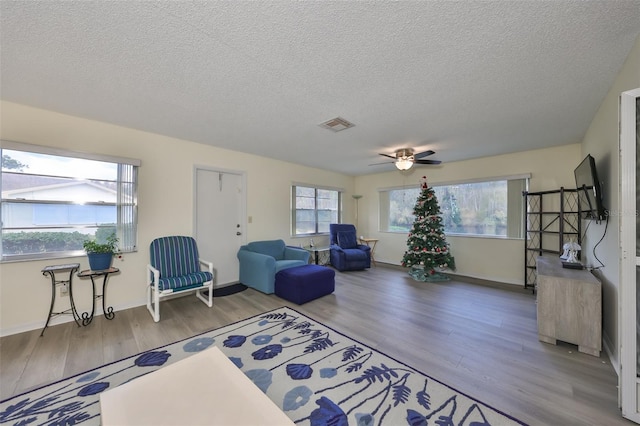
404 158
403 163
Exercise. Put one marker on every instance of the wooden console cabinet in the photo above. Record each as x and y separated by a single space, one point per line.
569 306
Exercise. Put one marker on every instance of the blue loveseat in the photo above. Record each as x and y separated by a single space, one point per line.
345 253
261 260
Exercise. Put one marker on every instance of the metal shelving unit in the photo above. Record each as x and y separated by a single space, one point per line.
552 218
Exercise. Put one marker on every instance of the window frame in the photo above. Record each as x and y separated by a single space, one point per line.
294 209
513 231
126 202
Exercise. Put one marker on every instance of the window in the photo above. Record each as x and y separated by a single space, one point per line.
52 201
489 208
314 209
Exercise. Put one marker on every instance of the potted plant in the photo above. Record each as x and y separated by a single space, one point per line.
100 255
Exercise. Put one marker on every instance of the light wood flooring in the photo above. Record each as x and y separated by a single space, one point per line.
481 340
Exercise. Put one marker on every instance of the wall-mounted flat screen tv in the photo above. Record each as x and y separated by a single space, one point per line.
589 190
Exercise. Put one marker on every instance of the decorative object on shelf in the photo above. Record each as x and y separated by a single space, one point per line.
571 249
100 254
427 252
571 261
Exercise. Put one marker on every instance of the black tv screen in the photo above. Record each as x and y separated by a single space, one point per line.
589 190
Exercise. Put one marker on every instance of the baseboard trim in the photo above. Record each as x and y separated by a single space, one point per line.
64 319
467 279
607 346
37 325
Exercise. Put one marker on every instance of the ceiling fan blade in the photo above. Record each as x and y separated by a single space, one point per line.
423 154
386 162
428 161
387 155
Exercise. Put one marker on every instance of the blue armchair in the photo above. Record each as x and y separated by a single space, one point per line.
261 260
345 252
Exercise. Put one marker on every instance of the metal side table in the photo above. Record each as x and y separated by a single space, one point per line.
51 272
108 312
320 255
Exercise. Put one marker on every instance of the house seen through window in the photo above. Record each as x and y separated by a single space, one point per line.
314 209
489 208
53 202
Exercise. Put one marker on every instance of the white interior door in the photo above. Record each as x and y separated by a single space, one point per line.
219 220
629 255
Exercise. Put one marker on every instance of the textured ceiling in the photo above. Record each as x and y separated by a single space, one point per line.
467 79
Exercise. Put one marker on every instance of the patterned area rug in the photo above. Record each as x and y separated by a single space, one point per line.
315 374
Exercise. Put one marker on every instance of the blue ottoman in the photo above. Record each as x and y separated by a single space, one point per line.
301 284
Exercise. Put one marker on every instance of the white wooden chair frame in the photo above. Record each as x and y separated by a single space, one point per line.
154 294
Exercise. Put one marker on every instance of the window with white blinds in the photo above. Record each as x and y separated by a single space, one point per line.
313 209
53 201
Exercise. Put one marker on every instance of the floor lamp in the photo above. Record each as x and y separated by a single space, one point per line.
357 197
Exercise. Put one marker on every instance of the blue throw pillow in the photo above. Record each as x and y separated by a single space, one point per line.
347 240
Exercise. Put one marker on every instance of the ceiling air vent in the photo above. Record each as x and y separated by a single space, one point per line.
337 124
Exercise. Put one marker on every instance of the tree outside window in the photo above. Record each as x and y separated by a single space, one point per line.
475 208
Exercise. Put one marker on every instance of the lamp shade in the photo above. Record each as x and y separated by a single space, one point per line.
403 163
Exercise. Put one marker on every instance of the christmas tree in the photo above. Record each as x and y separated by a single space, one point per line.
427 248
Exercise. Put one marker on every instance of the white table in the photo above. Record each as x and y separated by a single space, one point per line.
203 389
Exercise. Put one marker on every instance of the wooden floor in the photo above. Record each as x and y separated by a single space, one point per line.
479 339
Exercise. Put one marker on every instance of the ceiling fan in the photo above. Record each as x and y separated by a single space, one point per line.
404 158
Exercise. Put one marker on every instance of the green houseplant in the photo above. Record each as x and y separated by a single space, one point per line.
100 254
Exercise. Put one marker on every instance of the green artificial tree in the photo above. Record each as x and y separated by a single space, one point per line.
427 249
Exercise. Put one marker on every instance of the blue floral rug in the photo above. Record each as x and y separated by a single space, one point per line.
316 375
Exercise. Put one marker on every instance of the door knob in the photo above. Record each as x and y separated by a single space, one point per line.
238 233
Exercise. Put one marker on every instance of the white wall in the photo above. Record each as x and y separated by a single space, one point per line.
167 168
165 203
601 141
492 259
